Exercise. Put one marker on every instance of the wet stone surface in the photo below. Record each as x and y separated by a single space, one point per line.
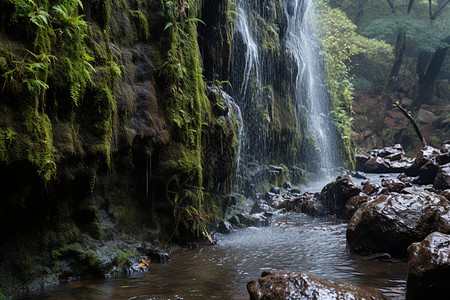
429 268
280 285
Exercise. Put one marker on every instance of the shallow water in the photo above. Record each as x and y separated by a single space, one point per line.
295 242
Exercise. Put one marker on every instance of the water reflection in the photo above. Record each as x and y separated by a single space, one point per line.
294 242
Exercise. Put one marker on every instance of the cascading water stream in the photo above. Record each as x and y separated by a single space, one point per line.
292 70
303 44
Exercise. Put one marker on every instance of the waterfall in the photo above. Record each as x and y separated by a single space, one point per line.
278 81
303 44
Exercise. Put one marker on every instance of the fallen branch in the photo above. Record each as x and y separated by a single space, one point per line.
416 127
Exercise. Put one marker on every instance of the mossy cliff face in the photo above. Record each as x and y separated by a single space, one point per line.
107 136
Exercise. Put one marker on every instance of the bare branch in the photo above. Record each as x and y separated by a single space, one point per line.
416 127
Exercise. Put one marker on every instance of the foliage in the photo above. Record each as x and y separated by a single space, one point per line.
187 107
422 34
337 32
48 81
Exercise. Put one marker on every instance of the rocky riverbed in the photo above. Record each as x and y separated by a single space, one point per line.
404 215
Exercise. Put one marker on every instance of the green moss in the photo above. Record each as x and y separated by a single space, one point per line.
141 23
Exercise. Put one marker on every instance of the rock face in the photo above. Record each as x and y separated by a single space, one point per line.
422 157
335 195
385 160
278 285
392 222
442 179
429 268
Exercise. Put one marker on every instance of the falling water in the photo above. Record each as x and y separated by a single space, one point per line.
294 72
303 44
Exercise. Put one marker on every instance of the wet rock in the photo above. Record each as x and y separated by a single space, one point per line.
446 194
399 166
354 203
335 194
275 190
358 175
253 220
393 185
428 171
371 188
224 227
429 268
392 222
155 254
361 158
443 159
280 285
392 153
287 185
296 191
261 205
422 157
442 179
376 165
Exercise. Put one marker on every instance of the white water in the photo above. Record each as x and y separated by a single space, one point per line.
303 44
254 71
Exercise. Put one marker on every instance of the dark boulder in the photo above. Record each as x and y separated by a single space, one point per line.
428 172
156 254
442 179
393 222
371 188
354 203
275 190
287 185
361 158
280 285
335 194
446 194
224 227
422 157
396 152
393 185
429 268
377 165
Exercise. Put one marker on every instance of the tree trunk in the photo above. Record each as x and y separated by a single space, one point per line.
426 85
400 47
422 63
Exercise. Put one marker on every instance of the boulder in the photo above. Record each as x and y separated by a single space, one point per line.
354 203
422 157
361 158
392 153
335 194
426 116
287 185
428 171
275 190
446 194
377 165
442 179
429 268
224 227
280 285
393 222
371 188
393 185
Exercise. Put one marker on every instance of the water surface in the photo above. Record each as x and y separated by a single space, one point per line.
294 242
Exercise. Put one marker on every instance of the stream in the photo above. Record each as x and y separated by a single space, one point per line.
294 242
